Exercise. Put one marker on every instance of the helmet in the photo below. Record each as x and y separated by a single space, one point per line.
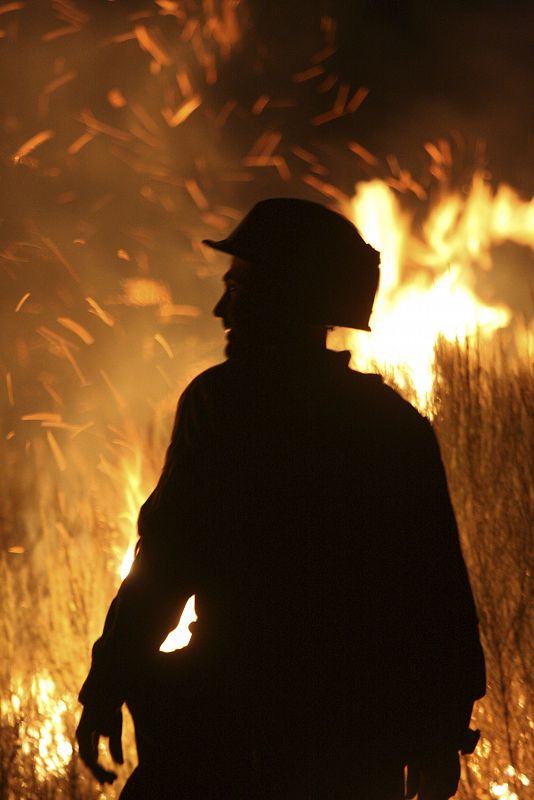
314 254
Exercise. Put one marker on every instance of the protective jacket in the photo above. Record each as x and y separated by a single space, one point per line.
306 506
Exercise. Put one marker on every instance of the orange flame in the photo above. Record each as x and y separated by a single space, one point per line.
438 299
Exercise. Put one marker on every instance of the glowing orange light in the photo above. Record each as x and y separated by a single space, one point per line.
437 299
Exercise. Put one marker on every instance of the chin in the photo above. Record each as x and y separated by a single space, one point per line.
234 346
238 343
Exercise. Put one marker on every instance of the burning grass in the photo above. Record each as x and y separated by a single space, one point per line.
485 423
67 531
72 527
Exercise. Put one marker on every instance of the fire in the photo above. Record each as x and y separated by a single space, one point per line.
127 561
436 297
129 473
54 749
504 790
44 739
181 635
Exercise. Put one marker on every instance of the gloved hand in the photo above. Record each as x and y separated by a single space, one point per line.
94 724
434 777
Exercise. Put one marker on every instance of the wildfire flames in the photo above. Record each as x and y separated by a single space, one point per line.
108 297
44 739
438 300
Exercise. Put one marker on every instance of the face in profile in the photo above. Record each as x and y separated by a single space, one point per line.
250 308
234 295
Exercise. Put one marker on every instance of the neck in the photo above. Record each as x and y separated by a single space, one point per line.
295 339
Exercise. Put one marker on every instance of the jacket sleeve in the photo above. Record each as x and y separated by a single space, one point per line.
151 598
448 657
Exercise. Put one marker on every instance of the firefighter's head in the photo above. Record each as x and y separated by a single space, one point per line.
296 265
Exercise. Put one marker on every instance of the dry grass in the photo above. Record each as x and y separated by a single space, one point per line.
75 527
75 524
485 423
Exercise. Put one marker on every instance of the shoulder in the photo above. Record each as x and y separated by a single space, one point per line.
388 408
206 395
384 396
210 382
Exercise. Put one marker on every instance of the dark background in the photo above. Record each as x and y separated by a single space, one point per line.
431 68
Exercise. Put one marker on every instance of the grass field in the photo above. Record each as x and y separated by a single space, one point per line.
485 424
65 525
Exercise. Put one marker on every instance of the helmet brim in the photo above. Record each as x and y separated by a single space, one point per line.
223 246
231 247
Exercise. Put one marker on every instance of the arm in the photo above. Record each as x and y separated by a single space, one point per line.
458 659
151 598
453 673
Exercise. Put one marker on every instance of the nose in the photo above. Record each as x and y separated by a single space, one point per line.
221 307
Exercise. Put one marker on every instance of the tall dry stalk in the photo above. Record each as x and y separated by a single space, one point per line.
64 533
484 416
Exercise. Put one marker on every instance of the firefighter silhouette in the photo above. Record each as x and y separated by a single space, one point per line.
306 506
